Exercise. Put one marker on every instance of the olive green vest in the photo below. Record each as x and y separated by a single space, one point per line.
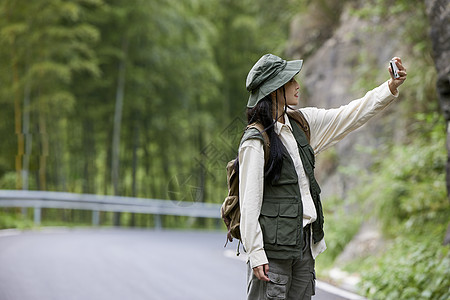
281 217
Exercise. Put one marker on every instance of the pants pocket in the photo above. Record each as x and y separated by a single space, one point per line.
276 287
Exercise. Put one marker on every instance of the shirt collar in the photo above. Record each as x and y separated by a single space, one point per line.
279 126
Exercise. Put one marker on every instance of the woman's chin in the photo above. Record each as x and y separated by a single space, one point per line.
293 102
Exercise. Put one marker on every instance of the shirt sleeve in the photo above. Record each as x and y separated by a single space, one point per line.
251 184
329 126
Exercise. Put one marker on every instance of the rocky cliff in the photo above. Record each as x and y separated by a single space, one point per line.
439 14
344 59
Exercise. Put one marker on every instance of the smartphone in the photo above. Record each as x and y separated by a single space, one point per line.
394 69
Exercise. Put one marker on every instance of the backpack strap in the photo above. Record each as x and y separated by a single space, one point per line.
256 131
298 116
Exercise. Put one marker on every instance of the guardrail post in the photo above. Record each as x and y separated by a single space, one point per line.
37 215
219 223
158 223
95 218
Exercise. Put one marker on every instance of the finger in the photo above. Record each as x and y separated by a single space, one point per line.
400 66
398 62
265 272
397 59
259 273
402 73
263 276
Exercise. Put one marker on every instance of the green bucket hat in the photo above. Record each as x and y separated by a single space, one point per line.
269 74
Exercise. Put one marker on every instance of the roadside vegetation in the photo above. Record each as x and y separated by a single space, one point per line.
411 209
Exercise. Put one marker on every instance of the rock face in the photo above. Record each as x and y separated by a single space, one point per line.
328 78
369 239
439 15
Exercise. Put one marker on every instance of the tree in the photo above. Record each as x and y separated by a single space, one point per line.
46 50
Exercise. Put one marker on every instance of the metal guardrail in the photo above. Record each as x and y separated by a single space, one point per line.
97 203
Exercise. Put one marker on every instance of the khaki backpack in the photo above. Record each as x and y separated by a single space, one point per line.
230 210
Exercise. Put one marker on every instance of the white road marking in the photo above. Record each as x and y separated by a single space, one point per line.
337 291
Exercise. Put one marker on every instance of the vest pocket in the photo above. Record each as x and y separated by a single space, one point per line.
287 233
268 222
279 223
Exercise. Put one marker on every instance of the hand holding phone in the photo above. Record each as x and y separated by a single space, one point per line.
398 74
394 69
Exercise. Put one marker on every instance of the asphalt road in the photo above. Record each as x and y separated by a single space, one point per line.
113 264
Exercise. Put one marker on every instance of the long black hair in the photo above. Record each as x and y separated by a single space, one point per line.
263 113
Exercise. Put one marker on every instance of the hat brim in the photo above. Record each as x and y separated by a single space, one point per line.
292 68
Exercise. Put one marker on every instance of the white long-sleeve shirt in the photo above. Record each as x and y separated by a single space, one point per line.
327 127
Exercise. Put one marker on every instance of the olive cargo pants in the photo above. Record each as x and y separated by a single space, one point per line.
289 278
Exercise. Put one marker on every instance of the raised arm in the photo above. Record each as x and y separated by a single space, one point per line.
328 126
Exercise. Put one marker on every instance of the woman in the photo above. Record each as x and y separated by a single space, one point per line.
281 213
